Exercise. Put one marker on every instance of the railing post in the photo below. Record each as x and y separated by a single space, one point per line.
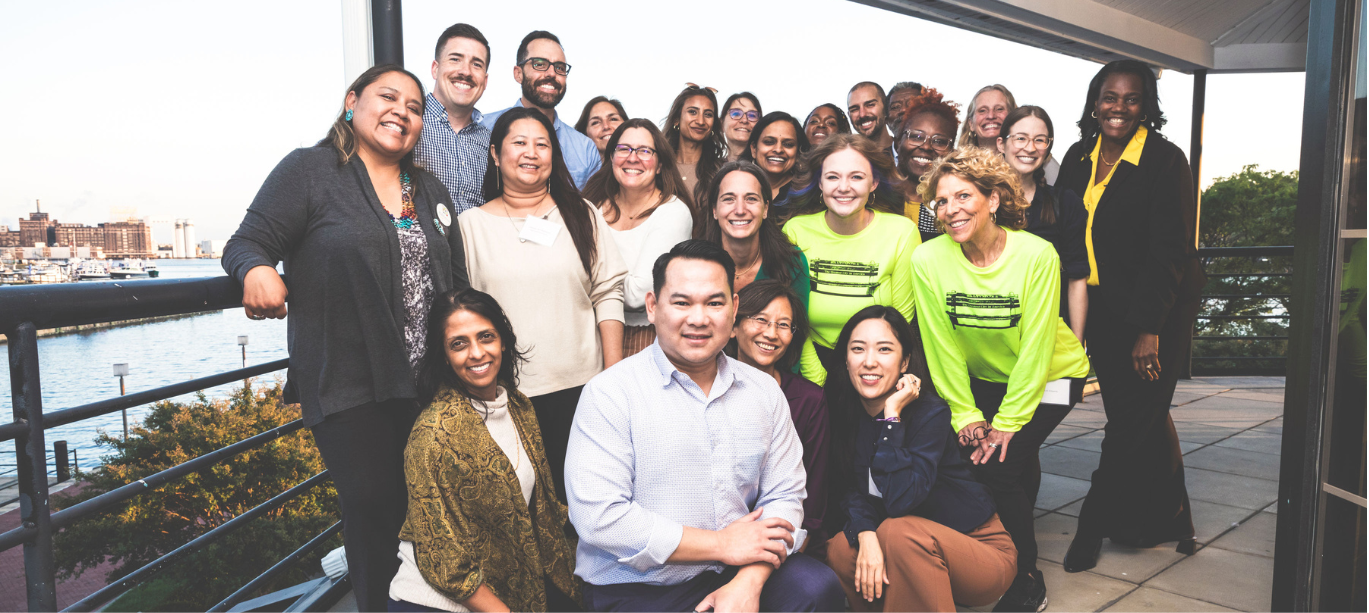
59 452
31 458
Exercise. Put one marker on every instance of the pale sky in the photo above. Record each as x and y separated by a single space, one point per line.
180 109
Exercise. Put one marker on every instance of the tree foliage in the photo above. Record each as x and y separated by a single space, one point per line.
1248 209
158 521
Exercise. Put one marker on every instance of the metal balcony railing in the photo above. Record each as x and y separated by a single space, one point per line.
1240 344
24 311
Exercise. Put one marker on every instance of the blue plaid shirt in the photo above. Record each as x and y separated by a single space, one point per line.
581 155
650 453
457 159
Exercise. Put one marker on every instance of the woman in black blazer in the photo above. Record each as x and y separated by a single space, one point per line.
367 240
1144 286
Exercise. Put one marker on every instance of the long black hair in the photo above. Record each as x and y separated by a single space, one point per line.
435 373
713 148
844 405
574 211
779 256
843 124
753 299
1153 119
1047 212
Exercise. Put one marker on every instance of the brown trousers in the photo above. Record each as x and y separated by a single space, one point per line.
931 567
637 338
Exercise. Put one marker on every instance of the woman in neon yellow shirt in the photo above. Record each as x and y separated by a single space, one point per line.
989 295
851 228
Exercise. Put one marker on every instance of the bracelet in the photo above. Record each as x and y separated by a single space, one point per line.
893 419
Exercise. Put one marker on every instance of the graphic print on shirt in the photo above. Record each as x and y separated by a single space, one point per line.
849 279
986 311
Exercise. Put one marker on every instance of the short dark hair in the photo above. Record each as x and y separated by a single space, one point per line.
532 36
692 249
1153 119
753 299
883 99
462 30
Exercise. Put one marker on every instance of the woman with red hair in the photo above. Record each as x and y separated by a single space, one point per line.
927 133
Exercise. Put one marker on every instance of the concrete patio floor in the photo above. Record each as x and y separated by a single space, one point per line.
1230 429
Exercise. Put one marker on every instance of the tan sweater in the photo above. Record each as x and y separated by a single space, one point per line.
555 308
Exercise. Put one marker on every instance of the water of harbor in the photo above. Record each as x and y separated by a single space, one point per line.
77 368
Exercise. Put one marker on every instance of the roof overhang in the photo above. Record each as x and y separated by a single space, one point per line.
1220 36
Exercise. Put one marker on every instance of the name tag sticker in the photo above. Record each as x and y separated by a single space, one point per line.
444 215
539 231
1057 392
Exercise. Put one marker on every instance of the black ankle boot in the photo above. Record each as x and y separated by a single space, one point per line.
1083 553
1027 593
1187 546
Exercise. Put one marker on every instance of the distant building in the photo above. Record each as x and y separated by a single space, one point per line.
37 229
77 235
128 239
212 248
10 238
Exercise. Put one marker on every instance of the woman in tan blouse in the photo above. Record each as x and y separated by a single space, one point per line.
547 255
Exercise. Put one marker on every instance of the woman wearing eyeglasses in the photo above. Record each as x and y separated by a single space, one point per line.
1056 214
770 330
740 114
927 133
648 210
694 134
545 254
824 121
989 298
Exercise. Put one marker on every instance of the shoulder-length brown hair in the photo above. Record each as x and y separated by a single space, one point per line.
603 188
779 256
1047 212
753 299
574 210
890 192
343 138
989 173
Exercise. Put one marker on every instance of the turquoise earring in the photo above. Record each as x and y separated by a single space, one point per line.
349 115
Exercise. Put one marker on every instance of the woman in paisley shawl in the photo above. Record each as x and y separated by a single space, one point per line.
485 531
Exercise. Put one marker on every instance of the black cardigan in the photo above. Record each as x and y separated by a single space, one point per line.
1143 232
341 252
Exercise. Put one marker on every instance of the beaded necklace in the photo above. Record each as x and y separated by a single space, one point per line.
407 217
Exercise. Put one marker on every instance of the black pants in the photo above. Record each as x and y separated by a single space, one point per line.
1138 496
363 448
1016 481
555 414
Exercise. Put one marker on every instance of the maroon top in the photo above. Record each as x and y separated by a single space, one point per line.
809 411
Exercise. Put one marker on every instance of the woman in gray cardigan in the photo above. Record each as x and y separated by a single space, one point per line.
367 239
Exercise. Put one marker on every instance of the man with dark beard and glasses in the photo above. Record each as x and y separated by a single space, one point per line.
542 71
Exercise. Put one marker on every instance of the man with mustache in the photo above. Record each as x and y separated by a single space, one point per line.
454 145
542 71
869 111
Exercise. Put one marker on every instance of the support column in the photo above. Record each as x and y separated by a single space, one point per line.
1195 160
387 32
356 39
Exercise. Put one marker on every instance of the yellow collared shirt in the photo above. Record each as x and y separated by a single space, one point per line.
1095 190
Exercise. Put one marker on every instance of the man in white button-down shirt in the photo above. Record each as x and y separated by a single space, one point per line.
684 473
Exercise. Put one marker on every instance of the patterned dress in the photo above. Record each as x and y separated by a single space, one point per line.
417 280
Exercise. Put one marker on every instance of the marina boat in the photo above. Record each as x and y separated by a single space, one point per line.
90 269
125 269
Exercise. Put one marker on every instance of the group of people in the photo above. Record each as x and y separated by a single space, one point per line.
736 361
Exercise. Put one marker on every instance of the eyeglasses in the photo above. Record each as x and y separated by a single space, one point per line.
782 327
1020 140
918 137
738 114
622 152
973 436
541 64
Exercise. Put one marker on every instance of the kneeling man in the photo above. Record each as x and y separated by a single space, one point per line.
684 474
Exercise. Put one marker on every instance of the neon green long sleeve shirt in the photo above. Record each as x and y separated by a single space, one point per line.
851 272
999 324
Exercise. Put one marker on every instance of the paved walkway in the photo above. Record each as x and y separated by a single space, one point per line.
1230 429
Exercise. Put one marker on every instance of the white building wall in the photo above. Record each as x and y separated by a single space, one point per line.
191 245
178 240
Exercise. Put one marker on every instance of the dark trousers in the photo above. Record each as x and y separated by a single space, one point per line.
1015 481
1138 496
555 414
363 448
556 601
800 584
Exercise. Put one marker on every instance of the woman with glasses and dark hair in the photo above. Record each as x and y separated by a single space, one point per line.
468 544
824 121
740 220
740 114
602 115
1001 356
648 210
776 143
858 244
919 533
927 133
1056 214
770 331
367 239
1145 283
695 135
547 255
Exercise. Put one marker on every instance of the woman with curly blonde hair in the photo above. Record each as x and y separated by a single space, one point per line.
988 295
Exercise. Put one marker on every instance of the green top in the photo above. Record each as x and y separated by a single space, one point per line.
849 273
1001 324
799 283
467 518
